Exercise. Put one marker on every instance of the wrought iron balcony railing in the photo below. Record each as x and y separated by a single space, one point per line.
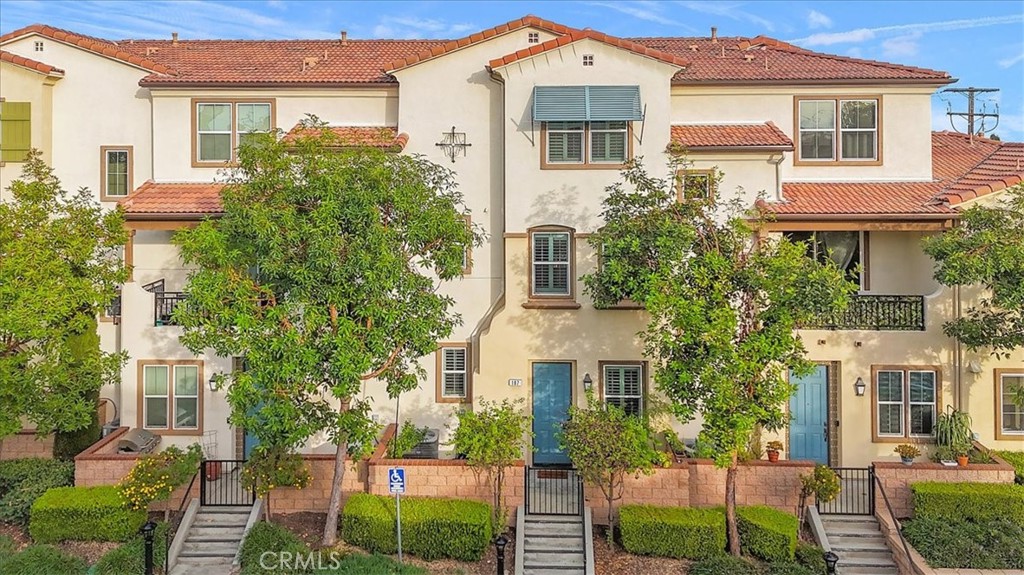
877 313
166 301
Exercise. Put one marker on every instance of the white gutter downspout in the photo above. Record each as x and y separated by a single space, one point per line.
778 174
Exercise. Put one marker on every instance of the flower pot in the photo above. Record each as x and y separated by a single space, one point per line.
907 460
773 456
961 460
212 470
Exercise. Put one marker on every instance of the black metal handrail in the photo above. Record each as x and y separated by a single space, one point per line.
877 313
895 521
175 523
164 304
222 483
856 494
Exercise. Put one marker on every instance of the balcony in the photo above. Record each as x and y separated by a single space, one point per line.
877 313
165 302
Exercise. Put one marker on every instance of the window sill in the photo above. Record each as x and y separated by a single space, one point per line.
464 400
911 440
551 304
798 162
567 166
621 306
196 432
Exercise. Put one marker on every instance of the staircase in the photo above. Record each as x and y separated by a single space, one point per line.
212 541
860 545
553 545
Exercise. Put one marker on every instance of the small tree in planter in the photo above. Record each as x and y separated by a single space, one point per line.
492 439
823 483
907 453
272 467
774 447
605 444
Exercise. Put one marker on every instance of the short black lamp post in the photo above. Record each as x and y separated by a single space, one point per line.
148 530
830 562
499 545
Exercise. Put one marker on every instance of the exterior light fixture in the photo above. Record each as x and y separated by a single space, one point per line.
499 545
588 382
213 382
831 559
859 386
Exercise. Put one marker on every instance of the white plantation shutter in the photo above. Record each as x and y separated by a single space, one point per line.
623 387
453 372
565 142
551 263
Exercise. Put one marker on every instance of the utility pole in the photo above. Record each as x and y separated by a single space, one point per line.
973 116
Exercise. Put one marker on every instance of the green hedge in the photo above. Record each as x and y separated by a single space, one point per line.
83 514
978 502
997 544
22 481
811 556
767 533
680 532
42 560
267 537
1016 459
723 565
128 559
431 528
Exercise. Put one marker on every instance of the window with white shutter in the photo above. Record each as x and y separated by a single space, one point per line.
453 373
624 388
552 263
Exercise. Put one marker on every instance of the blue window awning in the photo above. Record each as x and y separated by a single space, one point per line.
586 103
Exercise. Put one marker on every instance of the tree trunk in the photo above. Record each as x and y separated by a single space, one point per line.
730 506
334 506
610 495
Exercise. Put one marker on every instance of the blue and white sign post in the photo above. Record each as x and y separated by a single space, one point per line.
396 484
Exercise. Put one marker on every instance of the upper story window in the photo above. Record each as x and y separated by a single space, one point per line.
586 126
115 172
588 59
586 143
533 37
695 185
844 248
39 45
839 131
551 263
906 401
1009 410
222 125
15 131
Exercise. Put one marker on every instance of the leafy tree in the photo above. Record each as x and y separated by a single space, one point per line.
605 445
405 439
723 301
492 438
60 267
986 249
823 483
323 273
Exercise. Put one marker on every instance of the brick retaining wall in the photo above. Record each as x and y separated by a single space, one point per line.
26 444
101 464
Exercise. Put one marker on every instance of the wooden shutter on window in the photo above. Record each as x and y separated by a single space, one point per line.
15 131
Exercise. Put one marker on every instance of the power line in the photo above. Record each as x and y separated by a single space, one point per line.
973 116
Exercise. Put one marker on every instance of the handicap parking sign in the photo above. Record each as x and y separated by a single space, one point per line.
396 480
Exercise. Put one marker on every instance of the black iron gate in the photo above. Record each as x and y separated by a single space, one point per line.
553 491
221 483
857 493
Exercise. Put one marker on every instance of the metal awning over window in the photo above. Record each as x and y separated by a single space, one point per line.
586 103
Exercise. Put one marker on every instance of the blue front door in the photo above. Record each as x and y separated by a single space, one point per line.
808 409
552 395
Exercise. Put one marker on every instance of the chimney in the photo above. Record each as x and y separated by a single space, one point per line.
714 34
174 38
344 38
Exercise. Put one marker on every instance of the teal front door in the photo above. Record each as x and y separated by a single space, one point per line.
808 408
552 395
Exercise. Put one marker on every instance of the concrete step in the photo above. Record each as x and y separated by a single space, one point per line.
207 549
848 530
849 518
193 538
860 560
202 566
221 520
858 544
553 543
226 509
554 519
883 556
552 559
216 531
861 570
553 531
553 571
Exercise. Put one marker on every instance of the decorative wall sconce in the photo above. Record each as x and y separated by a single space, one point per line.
213 382
974 366
453 144
588 382
860 387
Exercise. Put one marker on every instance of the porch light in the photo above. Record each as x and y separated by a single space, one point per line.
830 562
588 382
213 382
859 386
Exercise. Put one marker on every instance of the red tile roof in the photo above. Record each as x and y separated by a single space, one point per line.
765 136
173 200
528 21
576 36
96 45
30 64
384 137
737 60
961 171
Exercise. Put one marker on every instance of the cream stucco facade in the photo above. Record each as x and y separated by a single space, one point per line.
510 192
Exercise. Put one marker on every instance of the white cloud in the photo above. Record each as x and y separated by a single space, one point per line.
412 27
817 20
732 10
865 34
855 52
1009 62
901 46
648 11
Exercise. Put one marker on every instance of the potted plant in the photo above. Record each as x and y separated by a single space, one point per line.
773 448
944 454
961 454
907 453
212 470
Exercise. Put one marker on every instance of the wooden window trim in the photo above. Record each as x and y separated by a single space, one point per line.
586 164
439 396
602 364
194 113
140 394
104 197
906 437
560 300
1000 434
838 161
680 178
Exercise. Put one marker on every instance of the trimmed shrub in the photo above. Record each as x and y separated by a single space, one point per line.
359 564
997 544
128 559
767 533
266 537
22 481
431 528
723 565
980 502
8 547
810 556
42 560
680 532
83 514
1016 459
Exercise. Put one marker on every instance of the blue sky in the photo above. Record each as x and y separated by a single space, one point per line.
981 43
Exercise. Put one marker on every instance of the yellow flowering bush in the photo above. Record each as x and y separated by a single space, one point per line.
268 468
155 476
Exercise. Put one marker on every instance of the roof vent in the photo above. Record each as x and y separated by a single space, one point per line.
344 38
150 50
693 47
309 62
714 34
748 57
174 38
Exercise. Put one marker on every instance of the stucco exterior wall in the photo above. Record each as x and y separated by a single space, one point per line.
20 85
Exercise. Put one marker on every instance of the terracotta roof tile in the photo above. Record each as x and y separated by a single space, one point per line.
173 199
577 35
765 136
961 171
30 64
96 45
384 137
